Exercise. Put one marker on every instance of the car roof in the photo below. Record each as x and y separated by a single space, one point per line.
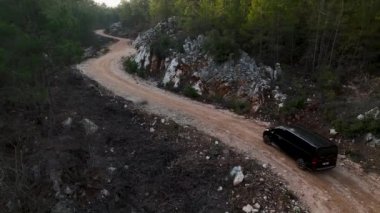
310 137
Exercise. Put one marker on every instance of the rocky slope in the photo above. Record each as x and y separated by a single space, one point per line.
190 65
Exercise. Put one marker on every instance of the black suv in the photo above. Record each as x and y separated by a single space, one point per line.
309 149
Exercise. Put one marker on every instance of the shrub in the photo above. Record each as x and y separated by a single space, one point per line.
190 92
239 106
130 66
354 127
293 105
216 98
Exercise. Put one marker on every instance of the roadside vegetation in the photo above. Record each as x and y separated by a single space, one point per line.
130 66
190 92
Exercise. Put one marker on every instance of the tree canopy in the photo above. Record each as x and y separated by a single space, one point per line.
316 34
39 34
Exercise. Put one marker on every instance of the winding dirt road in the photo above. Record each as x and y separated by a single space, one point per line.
337 190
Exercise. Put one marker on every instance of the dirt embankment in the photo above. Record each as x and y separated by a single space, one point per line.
338 190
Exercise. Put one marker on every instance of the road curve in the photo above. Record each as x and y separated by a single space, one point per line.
337 190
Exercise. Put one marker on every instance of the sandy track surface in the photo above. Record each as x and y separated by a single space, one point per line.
343 189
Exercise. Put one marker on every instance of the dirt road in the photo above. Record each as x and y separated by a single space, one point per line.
337 190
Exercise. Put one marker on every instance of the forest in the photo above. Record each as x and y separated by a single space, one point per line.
336 37
39 37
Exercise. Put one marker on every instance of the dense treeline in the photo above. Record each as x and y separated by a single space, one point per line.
317 35
38 36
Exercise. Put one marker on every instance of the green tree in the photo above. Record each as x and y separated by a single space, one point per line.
339 35
161 9
39 36
135 14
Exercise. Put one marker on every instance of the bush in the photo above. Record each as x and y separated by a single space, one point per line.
354 127
132 67
190 92
239 106
216 98
293 105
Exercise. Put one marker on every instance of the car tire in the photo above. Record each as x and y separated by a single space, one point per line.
267 140
301 163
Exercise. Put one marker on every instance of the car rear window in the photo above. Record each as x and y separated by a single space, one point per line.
328 151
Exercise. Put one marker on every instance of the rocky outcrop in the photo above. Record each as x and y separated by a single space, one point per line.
242 78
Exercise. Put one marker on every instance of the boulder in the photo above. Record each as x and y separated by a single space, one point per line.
333 132
104 193
89 126
67 123
237 174
248 209
239 177
360 117
257 206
